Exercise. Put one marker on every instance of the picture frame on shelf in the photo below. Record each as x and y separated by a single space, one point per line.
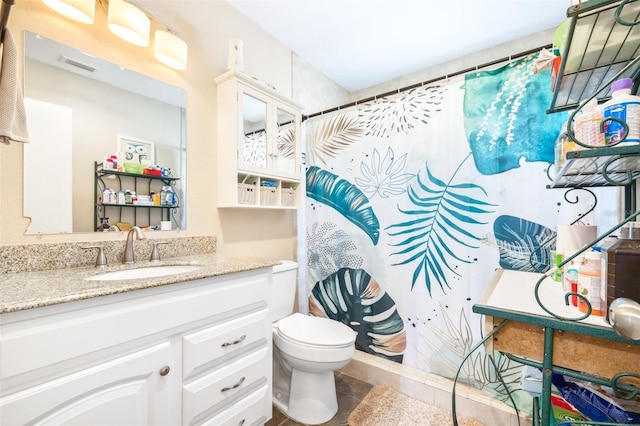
136 150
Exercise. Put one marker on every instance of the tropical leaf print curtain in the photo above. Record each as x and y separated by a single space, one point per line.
413 200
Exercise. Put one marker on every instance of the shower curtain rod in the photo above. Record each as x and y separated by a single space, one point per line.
413 86
5 8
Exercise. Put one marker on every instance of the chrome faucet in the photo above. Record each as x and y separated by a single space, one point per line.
128 256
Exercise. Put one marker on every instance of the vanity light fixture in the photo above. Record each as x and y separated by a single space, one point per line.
79 10
169 49
128 22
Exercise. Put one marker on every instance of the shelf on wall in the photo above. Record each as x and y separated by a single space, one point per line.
598 47
599 167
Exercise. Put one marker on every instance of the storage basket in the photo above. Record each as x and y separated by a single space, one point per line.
246 193
288 197
268 196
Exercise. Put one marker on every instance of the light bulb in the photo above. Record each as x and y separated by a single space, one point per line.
79 10
170 50
128 22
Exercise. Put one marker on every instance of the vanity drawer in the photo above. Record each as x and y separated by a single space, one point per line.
205 395
223 341
249 411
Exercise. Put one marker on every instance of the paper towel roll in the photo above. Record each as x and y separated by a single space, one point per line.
235 61
571 238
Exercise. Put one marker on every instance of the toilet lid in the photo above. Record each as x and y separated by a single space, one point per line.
318 331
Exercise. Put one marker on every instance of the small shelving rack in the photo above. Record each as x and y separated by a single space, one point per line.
134 214
603 45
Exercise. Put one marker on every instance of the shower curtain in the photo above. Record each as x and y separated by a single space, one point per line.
413 201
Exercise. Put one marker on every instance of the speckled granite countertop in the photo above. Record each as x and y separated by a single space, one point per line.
27 290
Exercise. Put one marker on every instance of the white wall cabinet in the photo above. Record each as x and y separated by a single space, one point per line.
259 154
188 353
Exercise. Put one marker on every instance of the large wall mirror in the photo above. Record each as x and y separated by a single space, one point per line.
78 108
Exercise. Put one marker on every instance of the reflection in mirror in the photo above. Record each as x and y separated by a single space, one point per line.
77 105
286 142
254 146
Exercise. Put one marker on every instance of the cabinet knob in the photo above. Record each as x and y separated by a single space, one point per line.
165 370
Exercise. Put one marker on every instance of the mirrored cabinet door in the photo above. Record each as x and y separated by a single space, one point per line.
253 152
286 155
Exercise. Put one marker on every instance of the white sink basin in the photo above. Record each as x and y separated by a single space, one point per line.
147 272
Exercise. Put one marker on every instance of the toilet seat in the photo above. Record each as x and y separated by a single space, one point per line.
312 331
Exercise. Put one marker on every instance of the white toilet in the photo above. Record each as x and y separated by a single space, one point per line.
306 352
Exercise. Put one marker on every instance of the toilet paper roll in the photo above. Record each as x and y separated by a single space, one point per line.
165 225
571 238
235 61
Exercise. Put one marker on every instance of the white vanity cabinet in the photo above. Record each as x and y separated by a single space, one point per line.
259 156
196 352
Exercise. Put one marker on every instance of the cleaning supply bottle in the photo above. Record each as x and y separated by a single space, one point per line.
625 107
587 130
623 265
163 196
106 196
562 146
570 277
589 283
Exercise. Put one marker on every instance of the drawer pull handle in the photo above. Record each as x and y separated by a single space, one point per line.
228 388
235 342
165 370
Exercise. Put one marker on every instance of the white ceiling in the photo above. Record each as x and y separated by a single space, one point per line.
362 43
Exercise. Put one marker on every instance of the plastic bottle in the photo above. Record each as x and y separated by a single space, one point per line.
589 284
623 106
171 196
106 196
114 162
163 196
570 277
587 130
562 146
623 265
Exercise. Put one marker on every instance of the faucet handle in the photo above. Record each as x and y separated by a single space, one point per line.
155 253
101 259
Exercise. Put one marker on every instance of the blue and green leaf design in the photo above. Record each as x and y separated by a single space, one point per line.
345 198
354 298
521 244
438 225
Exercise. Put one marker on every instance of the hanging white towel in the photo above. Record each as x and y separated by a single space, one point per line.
13 119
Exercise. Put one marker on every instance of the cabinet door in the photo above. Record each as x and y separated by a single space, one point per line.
254 131
285 152
129 390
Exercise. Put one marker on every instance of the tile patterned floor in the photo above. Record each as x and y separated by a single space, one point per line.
349 391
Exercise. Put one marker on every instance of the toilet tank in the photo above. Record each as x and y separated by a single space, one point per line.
283 290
